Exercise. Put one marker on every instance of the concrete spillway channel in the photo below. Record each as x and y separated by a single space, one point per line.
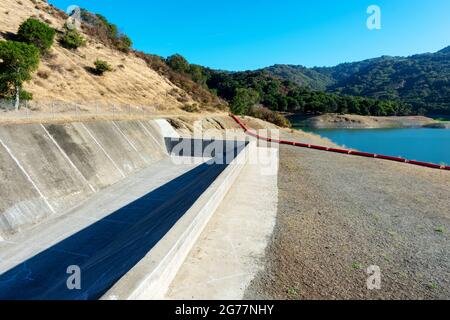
105 209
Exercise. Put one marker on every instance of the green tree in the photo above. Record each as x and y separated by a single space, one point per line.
178 63
197 74
243 100
35 32
17 62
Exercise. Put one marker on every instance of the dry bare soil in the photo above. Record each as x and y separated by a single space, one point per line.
338 214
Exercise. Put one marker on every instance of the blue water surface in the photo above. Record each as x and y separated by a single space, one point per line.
422 144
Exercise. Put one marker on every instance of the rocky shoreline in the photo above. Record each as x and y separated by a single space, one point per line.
438 125
332 121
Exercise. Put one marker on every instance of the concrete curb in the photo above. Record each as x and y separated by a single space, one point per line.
152 276
166 129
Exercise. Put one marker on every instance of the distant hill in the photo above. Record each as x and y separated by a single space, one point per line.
422 80
445 50
246 88
302 76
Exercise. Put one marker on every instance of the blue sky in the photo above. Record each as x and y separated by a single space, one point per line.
250 34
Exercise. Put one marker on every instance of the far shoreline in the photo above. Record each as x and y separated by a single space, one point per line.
349 121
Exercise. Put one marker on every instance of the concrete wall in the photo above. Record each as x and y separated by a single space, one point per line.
151 277
48 169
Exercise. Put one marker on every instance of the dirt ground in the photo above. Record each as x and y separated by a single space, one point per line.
338 215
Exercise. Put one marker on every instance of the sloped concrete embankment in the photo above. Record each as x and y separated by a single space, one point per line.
157 229
152 276
47 169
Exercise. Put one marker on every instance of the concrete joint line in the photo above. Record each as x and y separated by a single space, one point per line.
129 141
150 135
215 193
68 159
27 176
164 265
104 151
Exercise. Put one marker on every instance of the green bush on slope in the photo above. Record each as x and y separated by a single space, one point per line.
37 33
72 39
102 66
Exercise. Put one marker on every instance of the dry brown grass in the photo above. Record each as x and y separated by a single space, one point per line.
131 83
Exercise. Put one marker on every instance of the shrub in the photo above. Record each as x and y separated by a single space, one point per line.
96 25
102 66
111 28
35 32
123 43
191 108
178 63
72 39
269 116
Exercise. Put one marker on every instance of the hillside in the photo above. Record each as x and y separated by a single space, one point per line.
380 87
319 78
302 76
64 75
422 80
245 89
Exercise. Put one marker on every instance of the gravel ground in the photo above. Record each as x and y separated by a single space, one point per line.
339 214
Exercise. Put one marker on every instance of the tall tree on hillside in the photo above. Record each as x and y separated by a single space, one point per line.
197 74
178 63
244 100
17 61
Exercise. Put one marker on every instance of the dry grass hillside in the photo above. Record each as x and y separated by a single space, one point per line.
64 75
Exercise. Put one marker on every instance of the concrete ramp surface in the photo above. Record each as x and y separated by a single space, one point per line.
48 169
109 248
104 237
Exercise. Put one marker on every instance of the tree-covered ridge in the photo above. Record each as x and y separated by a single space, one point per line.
244 90
423 81
445 50
302 76
287 96
319 78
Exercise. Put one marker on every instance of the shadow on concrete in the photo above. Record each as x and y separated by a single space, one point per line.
109 248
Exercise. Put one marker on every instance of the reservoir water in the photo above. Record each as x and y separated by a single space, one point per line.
422 144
